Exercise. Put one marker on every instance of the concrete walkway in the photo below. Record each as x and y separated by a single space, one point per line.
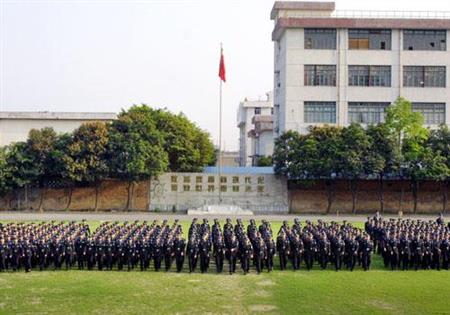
150 216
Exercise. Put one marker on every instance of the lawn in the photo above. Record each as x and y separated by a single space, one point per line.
280 292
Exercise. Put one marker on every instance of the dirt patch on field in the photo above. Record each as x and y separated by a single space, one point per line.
262 308
266 283
382 305
262 293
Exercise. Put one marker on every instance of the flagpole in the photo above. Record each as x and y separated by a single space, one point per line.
220 134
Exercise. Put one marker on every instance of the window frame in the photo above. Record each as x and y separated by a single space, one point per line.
311 112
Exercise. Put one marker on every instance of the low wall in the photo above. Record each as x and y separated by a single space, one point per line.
260 193
312 197
112 195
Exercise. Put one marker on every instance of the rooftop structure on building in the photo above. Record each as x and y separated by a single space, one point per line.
338 67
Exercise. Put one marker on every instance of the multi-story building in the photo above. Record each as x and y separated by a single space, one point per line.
336 68
255 123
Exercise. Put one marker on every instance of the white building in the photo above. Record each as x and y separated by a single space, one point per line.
333 67
255 123
15 126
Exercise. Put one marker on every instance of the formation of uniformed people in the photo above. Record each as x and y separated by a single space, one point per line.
324 243
411 244
141 245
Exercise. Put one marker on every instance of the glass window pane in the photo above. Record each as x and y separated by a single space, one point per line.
320 112
320 38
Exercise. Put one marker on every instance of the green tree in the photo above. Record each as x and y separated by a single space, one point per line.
40 147
84 157
285 152
189 148
407 126
421 164
135 148
353 157
264 161
325 153
439 143
383 158
6 184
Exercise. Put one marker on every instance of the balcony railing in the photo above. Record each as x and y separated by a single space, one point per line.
444 15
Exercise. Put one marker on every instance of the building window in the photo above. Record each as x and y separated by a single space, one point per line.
223 188
210 179
198 187
173 179
223 179
369 39
320 75
186 188
260 179
248 180
366 113
369 75
271 111
424 76
257 110
198 179
174 187
235 188
260 189
320 38
424 40
235 179
433 113
248 188
320 112
186 179
210 188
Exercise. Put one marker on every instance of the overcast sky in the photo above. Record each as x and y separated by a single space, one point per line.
103 55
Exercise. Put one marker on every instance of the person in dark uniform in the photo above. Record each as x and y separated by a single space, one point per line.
367 248
259 252
352 249
3 254
179 246
233 250
218 250
283 248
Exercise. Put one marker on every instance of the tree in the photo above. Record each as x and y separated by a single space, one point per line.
327 141
422 163
6 184
189 148
40 147
407 126
354 156
135 148
84 157
383 158
439 143
264 161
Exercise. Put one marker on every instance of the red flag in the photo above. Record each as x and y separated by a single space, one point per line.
222 67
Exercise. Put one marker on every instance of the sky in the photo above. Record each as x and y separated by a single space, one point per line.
104 56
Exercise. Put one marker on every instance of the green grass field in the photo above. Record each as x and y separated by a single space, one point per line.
377 291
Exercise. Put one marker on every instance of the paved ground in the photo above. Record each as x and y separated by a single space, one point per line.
131 216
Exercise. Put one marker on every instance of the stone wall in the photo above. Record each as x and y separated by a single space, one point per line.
112 195
261 193
312 197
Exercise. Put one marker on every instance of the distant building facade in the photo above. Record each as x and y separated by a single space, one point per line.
15 126
255 123
229 158
336 68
